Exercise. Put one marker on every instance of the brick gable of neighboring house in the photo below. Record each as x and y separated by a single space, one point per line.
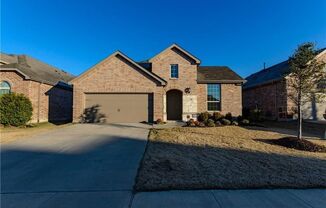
267 90
119 75
51 98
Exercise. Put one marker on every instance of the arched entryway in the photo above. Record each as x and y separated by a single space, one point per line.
174 105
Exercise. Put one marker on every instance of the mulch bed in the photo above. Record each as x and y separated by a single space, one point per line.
299 144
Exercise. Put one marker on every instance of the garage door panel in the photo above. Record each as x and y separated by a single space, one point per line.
119 108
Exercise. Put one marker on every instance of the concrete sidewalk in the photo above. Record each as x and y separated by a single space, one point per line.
254 198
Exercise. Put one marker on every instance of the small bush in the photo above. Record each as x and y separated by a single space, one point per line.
217 116
239 119
203 117
235 123
245 121
159 121
210 123
191 123
218 123
201 124
225 121
15 109
228 116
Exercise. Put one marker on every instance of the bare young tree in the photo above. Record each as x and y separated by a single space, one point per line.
306 74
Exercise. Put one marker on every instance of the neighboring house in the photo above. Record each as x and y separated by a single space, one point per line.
267 90
170 86
44 85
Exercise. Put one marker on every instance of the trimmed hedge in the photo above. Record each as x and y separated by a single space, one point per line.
15 109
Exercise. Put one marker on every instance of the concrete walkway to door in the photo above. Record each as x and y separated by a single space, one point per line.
82 165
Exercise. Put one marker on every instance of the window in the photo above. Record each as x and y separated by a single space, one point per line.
4 88
174 71
213 97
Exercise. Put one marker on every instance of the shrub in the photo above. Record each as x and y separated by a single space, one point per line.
203 117
239 119
201 124
218 123
191 122
235 123
210 123
159 121
196 123
15 109
217 116
245 121
228 116
225 121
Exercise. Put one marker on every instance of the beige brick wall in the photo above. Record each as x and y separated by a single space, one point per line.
231 99
59 107
114 75
187 78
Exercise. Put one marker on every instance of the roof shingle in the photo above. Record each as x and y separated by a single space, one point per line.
222 74
35 69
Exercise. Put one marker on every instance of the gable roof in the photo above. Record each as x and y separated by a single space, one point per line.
268 75
34 69
221 74
175 46
120 54
271 74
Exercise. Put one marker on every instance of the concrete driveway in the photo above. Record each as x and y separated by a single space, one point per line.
95 166
76 166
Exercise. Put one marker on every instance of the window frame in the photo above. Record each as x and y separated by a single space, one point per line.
174 73
220 98
5 88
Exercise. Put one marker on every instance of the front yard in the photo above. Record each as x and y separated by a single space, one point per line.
10 134
227 157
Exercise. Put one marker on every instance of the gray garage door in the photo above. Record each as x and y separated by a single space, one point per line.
118 108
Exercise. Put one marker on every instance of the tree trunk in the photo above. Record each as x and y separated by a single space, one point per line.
299 122
299 116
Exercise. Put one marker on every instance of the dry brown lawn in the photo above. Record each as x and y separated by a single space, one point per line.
227 157
10 134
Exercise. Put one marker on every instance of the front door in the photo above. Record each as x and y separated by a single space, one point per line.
174 105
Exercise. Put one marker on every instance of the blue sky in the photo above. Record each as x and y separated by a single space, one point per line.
74 35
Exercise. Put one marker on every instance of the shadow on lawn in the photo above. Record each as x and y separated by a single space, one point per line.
109 165
290 127
169 166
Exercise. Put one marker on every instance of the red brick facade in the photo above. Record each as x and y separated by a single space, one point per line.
114 75
49 103
270 98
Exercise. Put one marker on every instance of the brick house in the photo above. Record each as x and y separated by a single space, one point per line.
267 90
170 86
46 86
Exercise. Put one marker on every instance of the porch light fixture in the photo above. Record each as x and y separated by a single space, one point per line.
187 90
